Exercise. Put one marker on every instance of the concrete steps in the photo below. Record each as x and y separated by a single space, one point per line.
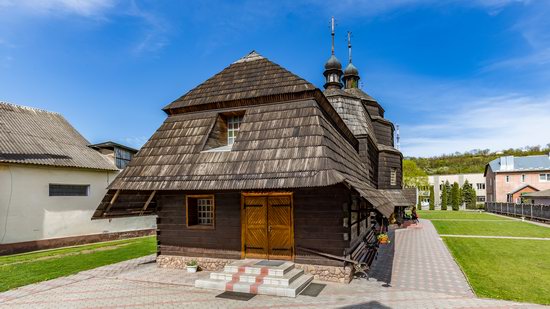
258 277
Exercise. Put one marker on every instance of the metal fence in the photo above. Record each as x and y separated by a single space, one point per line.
528 211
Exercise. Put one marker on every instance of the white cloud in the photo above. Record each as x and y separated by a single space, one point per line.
494 122
135 141
85 8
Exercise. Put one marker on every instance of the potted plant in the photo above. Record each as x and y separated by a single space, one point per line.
192 266
383 238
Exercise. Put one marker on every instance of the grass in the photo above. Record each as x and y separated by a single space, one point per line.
489 228
508 269
442 214
22 269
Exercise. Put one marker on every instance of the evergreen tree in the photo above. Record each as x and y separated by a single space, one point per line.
469 195
455 196
448 188
444 197
432 198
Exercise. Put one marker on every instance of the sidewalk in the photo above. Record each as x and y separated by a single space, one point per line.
421 275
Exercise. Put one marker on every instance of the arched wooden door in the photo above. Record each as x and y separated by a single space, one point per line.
267 226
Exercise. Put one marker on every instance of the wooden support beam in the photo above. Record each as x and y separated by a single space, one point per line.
113 200
148 202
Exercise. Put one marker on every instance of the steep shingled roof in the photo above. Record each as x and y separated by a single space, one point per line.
33 136
249 77
286 141
282 145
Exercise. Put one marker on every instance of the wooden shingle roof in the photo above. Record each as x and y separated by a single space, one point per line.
249 77
284 145
290 137
34 136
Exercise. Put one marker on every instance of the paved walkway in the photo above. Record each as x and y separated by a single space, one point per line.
414 271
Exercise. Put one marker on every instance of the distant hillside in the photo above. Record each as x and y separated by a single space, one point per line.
472 161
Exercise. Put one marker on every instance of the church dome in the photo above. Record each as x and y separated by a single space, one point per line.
351 70
333 63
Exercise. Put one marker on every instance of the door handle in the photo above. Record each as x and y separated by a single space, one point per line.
269 229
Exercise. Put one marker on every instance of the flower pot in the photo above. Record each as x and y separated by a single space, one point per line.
192 269
383 240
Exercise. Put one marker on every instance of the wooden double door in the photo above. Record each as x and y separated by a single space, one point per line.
267 226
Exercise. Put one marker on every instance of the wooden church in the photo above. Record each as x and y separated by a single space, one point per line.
257 162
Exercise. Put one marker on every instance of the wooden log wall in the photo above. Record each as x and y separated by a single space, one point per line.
384 132
318 224
387 161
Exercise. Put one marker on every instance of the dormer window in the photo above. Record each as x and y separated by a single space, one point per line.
224 131
233 125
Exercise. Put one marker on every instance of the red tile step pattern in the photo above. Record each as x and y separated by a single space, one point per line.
245 276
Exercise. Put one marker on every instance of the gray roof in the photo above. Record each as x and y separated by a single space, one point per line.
111 144
543 193
528 163
33 136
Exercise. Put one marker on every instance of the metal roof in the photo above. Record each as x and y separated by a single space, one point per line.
518 164
111 144
34 136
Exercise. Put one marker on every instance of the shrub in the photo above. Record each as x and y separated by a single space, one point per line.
432 198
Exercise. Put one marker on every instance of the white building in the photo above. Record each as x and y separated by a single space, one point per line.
51 182
476 180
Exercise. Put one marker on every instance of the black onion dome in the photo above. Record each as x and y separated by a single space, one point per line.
333 63
351 70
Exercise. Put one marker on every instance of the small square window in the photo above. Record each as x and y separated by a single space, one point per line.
200 210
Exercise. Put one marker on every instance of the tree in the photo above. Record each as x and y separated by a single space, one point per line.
419 204
413 176
448 188
455 196
469 195
444 196
432 198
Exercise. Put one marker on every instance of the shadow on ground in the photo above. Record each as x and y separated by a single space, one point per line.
370 304
382 267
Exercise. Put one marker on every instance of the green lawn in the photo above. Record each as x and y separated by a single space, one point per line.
490 228
442 214
509 269
22 269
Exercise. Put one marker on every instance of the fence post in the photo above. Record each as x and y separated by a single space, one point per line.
531 211
522 210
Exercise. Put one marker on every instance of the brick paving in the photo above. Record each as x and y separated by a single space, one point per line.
422 275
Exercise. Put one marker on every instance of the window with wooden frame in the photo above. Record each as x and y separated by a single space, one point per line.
224 131
393 176
200 211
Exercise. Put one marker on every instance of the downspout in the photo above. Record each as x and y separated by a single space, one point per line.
8 208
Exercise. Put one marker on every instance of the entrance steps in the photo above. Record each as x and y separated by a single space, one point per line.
276 278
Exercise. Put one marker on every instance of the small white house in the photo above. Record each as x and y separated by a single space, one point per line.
51 182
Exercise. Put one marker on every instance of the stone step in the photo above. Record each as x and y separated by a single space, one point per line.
251 267
285 280
295 287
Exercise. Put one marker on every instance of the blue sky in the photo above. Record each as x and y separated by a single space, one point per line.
455 75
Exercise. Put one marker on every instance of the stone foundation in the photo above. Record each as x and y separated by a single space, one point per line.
319 272
328 273
179 262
